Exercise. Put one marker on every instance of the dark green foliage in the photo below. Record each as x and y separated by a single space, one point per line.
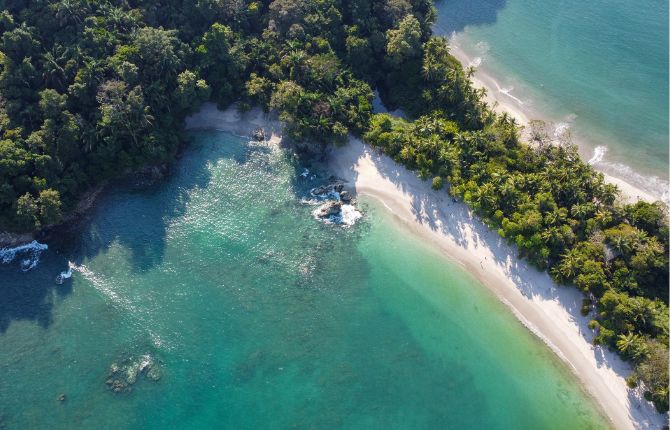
90 89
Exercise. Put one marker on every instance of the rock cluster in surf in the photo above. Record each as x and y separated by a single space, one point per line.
123 374
337 206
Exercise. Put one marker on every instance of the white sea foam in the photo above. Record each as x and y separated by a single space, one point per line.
66 274
655 186
310 202
561 129
330 195
350 215
598 155
347 217
305 173
31 250
476 62
508 92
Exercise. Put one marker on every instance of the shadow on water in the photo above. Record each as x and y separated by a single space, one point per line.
30 295
137 218
455 15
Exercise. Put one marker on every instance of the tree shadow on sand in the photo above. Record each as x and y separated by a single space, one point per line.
453 220
455 15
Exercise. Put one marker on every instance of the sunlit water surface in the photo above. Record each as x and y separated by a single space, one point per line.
253 315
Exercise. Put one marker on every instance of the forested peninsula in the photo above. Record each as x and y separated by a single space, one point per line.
90 89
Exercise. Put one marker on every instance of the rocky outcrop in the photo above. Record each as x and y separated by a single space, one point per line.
345 197
337 204
12 240
329 191
329 209
258 135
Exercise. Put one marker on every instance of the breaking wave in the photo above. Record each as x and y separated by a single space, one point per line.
655 186
508 93
476 62
347 216
598 155
31 250
350 215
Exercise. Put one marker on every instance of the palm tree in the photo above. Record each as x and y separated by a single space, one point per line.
621 244
296 61
71 11
568 268
551 234
603 217
632 345
626 342
431 69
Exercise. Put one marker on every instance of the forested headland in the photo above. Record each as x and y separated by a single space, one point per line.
90 89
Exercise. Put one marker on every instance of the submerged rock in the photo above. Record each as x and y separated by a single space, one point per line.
154 373
123 375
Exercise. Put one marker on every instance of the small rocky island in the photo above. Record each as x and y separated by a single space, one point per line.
337 206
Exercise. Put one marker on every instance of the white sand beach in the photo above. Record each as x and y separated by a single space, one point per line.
551 312
501 101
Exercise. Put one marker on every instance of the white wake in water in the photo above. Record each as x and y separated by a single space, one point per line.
125 305
101 285
31 250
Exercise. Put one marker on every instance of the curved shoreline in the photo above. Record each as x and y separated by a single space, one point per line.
551 312
502 102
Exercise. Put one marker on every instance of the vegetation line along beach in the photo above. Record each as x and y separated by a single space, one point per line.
552 312
92 90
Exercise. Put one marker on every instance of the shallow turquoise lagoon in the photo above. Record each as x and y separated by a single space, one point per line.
256 316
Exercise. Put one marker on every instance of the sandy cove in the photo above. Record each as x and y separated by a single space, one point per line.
551 312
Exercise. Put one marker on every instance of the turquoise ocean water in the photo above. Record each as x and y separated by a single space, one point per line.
599 67
255 316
